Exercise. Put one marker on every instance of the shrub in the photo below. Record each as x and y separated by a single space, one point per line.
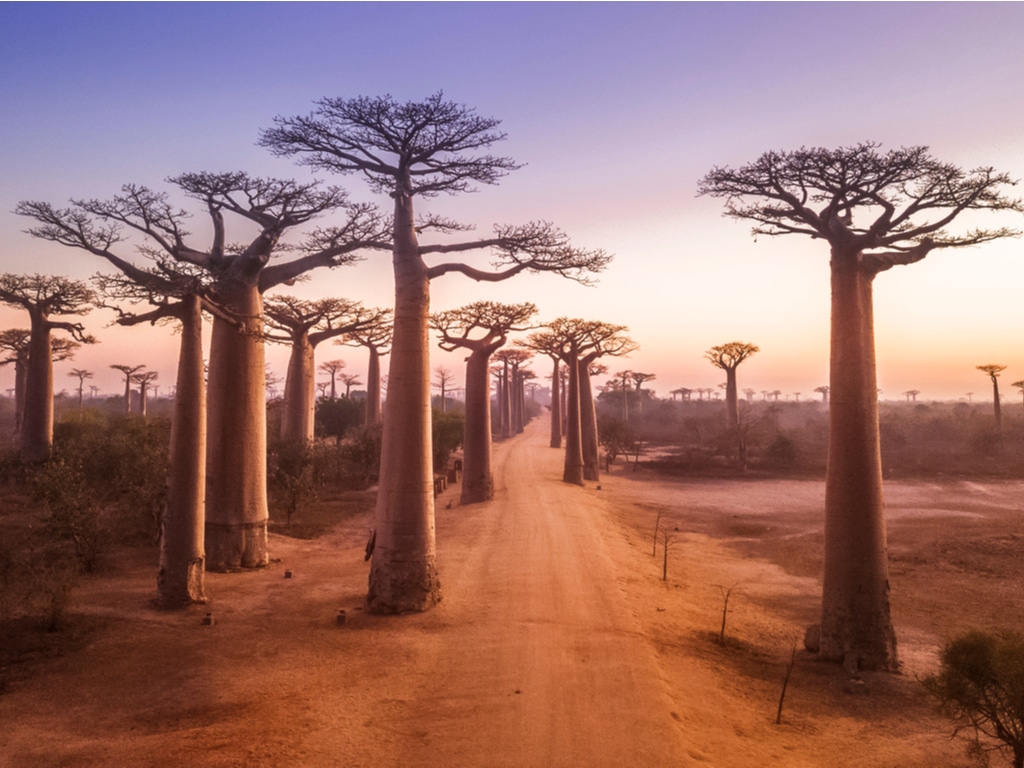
290 475
980 685
362 454
336 418
447 436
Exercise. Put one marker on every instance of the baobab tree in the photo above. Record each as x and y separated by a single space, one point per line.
749 394
579 343
15 341
81 374
144 379
993 371
349 380
376 338
876 211
442 378
823 391
418 149
129 372
181 297
482 328
510 416
332 368
911 395
236 495
43 297
623 377
304 325
728 357
638 379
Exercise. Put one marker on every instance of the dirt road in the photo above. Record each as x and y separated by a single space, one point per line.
545 663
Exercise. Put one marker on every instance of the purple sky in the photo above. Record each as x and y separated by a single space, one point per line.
616 109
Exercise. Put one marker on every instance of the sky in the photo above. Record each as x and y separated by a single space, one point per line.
616 110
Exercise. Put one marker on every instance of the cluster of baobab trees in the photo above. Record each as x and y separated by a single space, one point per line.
876 210
216 515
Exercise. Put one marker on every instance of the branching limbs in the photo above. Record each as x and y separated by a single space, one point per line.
536 246
455 327
908 197
416 148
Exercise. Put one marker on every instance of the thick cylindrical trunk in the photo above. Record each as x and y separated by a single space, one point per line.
565 400
732 404
588 424
142 400
127 395
297 418
556 406
856 626
373 388
506 400
20 386
515 401
180 580
37 420
996 410
403 574
236 448
573 469
477 481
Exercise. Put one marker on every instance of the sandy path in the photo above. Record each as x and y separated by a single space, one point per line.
547 664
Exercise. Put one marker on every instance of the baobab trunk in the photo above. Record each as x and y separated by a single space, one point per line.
573 470
373 388
477 481
856 626
556 407
588 424
505 401
20 387
181 575
236 455
299 393
732 405
403 574
996 410
37 419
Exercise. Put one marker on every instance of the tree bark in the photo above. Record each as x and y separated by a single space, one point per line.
856 626
588 423
297 418
403 574
477 480
236 469
732 404
37 420
556 406
505 400
373 409
180 580
20 387
996 410
573 470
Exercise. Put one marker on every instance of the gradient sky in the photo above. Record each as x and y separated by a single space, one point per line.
617 110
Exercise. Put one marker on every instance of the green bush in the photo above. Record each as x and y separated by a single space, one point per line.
980 685
106 482
447 435
336 418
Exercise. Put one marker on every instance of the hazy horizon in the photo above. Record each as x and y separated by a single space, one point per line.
616 110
